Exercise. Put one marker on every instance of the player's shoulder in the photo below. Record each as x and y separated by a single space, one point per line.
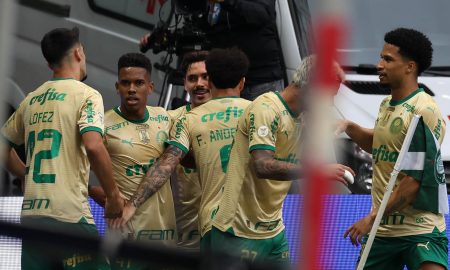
78 86
425 105
174 114
111 112
267 102
243 102
386 101
157 110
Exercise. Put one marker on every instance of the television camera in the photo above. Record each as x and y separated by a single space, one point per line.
189 37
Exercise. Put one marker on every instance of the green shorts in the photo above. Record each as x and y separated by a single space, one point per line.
38 255
392 253
205 243
275 249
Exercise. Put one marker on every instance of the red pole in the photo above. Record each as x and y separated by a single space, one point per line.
329 34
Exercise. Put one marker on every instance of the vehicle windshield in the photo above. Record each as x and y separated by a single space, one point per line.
369 20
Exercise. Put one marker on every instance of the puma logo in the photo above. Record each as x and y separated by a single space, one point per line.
129 142
424 245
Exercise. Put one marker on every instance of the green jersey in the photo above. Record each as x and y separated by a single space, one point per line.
209 130
390 130
50 122
188 194
251 207
134 146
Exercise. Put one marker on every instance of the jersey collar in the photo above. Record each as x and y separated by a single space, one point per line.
398 102
285 105
141 121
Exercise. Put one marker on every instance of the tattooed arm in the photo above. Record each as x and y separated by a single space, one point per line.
155 178
157 175
267 167
403 195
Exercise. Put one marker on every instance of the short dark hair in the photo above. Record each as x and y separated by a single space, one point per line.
56 44
413 45
135 60
226 67
192 57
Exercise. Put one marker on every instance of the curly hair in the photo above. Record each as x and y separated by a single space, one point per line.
413 45
135 60
226 67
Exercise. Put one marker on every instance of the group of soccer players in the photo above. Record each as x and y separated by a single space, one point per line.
233 159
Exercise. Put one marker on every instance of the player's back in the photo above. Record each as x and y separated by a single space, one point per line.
211 129
54 117
252 206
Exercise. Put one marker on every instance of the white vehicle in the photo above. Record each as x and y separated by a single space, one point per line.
110 28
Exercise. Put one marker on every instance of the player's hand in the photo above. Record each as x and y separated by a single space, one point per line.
341 126
357 231
98 195
114 206
127 214
336 172
144 41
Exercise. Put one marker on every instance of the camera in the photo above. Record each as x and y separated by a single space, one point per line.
188 38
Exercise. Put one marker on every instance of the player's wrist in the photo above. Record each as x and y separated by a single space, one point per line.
373 215
113 194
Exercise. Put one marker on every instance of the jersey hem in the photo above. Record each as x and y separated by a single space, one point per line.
89 220
418 232
250 236
10 143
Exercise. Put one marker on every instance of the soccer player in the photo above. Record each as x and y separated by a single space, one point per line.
263 159
208 130
61 124
134 137
188 191
406 236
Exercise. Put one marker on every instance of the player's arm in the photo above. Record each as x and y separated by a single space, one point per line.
157 175
267 167
97 194
14 164
361 136
101 165
403 195
154 179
